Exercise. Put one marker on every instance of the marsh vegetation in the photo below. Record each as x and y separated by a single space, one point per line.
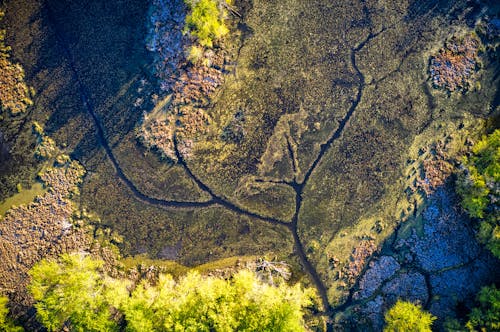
316 132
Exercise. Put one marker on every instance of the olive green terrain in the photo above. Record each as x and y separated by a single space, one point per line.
335 98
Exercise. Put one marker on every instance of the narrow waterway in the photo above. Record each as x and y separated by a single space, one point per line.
215 198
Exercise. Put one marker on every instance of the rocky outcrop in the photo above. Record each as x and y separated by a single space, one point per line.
436 262
41 229
455 64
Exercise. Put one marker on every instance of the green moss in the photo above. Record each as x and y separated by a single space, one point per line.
23 197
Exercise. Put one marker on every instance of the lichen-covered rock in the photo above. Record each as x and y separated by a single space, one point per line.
461 285
447 240
379 271
409 286
455 64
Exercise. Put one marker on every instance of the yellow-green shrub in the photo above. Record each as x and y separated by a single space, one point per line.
205 21
407 317
479 188
74 292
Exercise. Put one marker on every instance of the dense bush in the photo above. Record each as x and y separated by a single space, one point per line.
5 323
205 21
72 293
479 187
407 317
486 317
75 293
197 303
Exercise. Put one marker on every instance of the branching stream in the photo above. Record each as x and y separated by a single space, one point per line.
217 200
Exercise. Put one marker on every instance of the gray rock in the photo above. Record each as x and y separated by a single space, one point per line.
461 284
407 286
379 271
447 240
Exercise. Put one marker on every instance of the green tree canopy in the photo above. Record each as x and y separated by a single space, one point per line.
407 317
72 292
205 21
486 317
197 303
479 188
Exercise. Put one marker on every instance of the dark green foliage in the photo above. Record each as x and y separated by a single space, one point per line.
480 190
486 317
205 21
406 317
453 325
5 323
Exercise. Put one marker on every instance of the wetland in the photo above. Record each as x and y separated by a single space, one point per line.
327 135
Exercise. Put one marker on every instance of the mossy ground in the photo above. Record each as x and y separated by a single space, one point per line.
302 68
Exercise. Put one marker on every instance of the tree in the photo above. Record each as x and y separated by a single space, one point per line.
479 187
197 303
486 317
205 21
6 324
73 292
407 317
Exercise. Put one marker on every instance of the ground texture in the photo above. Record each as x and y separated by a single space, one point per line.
311 151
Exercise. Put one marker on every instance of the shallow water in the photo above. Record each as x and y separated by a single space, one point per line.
25 197
333 96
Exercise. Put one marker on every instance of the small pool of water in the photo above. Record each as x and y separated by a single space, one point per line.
26 196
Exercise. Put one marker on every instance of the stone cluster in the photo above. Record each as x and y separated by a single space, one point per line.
455 64
189 84
39 230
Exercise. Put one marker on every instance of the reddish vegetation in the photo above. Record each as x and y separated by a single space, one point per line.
436 169
358 260
196 82
452 68
41 229
160 135
190 84
436 173
14 94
